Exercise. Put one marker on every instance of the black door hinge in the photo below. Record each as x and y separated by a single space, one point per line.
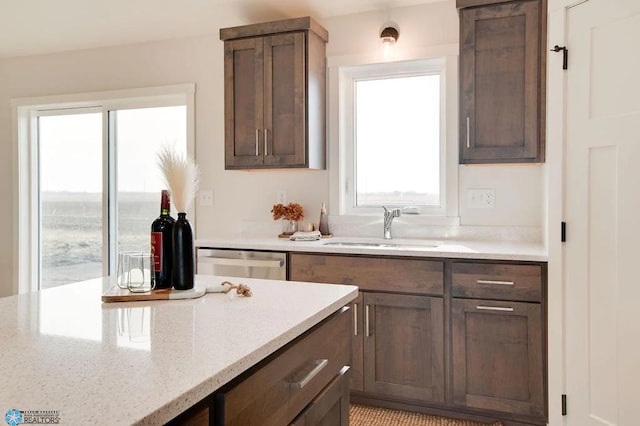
564 404
565 55
563 231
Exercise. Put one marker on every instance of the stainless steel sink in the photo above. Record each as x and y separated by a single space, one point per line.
399 246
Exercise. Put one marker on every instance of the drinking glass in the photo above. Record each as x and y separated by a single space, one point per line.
122 273
141 277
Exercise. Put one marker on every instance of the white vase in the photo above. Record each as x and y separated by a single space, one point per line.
289 226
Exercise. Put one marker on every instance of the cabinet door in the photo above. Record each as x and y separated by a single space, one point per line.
284 137
497 356
243 87
500 83
404 347
357 344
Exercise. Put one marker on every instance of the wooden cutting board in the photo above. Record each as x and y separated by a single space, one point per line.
117 294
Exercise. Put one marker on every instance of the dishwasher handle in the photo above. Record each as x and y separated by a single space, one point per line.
256 263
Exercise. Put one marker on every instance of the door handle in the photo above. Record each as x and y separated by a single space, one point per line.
355 319
468 137
257 138
266 138
367 331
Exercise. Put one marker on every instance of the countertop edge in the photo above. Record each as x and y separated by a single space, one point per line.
481 250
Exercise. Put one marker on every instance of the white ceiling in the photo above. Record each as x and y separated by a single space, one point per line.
29 27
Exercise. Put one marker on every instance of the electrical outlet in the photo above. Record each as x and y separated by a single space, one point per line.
205 198
281 197
481 198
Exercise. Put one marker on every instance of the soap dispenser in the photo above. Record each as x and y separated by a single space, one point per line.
324 221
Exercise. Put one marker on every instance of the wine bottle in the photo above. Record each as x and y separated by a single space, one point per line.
183 271
161 243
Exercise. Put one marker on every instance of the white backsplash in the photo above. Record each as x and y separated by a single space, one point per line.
371 227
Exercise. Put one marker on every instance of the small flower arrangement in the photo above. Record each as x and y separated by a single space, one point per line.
292 211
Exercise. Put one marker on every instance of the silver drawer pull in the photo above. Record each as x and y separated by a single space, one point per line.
320 364
494 308
355 319
491 282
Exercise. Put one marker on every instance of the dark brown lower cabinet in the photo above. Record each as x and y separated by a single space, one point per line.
403 346
454 337
497 356
330 407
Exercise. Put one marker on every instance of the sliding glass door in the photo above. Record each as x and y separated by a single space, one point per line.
98 185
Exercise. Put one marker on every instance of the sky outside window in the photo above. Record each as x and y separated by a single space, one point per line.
398 141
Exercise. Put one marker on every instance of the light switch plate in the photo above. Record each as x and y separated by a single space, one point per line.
205 198
481 198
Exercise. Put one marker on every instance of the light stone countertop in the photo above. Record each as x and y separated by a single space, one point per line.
145 362
449 248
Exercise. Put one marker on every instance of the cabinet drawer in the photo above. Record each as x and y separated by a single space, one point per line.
381 274
287 382
497 281
331 407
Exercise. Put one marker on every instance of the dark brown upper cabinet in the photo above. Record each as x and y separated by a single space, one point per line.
274 95
502 81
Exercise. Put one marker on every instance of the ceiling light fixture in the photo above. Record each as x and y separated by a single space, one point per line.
389 35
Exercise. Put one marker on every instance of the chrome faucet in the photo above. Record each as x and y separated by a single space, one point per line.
388 219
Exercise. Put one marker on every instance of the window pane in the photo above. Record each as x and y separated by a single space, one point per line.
140 133
397 133
70 198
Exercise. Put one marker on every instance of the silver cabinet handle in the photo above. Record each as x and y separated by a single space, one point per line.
266 138
468 137
494 308
319 365
257 139
491 282
256 263
355 319
366 321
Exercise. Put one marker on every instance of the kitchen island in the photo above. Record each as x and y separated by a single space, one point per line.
145 362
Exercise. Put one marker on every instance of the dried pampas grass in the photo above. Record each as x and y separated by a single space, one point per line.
180 176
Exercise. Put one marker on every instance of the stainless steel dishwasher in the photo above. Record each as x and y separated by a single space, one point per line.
242 263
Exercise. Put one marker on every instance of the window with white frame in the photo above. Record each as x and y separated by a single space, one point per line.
92 185
393 138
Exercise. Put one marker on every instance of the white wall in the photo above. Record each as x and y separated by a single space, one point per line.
244 196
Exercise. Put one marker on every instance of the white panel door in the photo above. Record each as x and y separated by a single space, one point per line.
602 252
